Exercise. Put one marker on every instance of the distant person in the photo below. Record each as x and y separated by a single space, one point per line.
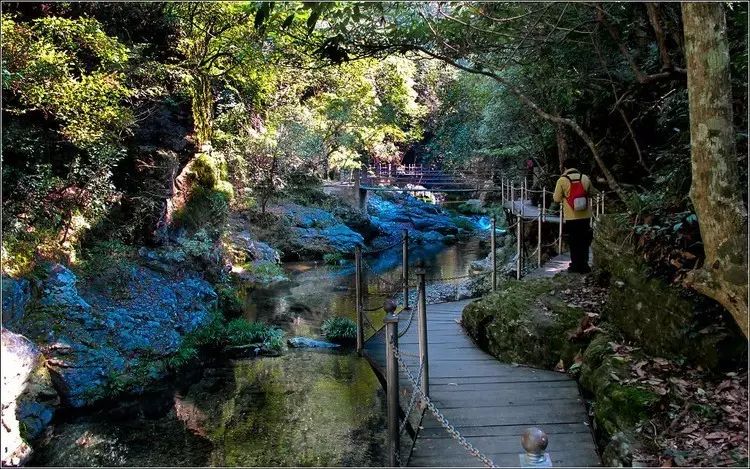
572 192
530 172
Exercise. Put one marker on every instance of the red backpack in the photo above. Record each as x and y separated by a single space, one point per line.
577 198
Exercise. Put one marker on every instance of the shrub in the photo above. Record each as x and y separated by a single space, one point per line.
333 258
339 329
242 332
108 264
230 301
205 208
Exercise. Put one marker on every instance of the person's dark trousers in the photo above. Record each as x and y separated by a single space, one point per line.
579 239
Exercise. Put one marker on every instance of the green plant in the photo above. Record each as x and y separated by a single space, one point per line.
339 329
333 258
108 264
230 301
205 208
242 332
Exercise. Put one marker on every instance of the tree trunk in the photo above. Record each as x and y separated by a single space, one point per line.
203 107
722 215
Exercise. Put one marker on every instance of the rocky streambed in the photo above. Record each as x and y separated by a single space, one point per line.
90 382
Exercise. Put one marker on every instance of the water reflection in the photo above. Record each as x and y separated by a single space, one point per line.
317 292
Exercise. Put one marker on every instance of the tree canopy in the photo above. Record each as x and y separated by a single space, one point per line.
114 113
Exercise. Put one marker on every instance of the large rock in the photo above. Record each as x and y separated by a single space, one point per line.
16 295
525 322
27 397
665 320
97 342
317 232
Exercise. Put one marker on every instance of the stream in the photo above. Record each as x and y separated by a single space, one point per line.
307 407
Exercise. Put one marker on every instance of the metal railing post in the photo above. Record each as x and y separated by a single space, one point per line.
534 441
405 266
493 248
358 290
422 325
391 380
519 230
539 240
559 231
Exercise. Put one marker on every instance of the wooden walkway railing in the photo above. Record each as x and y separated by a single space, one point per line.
455 405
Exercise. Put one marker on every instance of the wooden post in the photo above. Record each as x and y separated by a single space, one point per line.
539 240
544 204
422 325
391 379
405 266
358 290
519 230
502 191
602 212
559 231
512 199
493 248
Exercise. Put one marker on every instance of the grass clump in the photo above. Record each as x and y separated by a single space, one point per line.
219 334
242 332
339 330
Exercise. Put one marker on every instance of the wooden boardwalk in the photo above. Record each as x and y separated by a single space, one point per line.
530 212
490 403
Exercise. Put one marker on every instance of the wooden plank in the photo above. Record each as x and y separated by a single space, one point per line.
487 400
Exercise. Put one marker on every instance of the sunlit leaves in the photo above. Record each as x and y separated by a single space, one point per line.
49 63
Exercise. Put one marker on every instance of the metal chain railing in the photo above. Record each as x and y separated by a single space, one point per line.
412 402
450 429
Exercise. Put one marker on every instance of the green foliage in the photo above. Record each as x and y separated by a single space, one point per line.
333 258
265 271
339 329
109 265
230 300
45 61
204 209
242 332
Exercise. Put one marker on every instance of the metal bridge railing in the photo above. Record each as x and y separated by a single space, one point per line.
534 441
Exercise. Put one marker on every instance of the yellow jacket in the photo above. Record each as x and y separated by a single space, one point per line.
562 190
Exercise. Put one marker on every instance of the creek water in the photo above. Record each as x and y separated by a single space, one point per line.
307 407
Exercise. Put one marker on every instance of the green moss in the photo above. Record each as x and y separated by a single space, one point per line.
265 271
622 407
524 322
204 171
655 315
205 208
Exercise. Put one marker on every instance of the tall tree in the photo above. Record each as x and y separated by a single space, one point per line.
721 212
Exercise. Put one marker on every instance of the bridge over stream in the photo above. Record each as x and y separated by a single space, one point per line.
452 404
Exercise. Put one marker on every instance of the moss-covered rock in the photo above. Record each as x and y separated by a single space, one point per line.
525 322
663 319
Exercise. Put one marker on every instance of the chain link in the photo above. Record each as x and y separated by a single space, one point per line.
412 402
455 434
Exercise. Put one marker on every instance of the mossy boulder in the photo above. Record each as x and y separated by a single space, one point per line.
618 406
525 322
663 319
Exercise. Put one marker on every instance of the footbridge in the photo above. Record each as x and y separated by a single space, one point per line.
449 402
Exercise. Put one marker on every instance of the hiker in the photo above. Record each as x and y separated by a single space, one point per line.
572 191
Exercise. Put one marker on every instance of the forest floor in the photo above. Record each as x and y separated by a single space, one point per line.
702 416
